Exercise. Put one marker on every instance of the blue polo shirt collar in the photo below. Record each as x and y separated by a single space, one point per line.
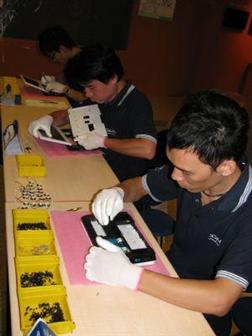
238 195
122 95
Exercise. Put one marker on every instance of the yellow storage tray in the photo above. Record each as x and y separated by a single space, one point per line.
31 165
35 245
31 222
37 271
49 304
12 81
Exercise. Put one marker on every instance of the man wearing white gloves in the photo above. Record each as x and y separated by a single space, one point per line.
126 274
43 124
126 112
58 46
51 84
212 181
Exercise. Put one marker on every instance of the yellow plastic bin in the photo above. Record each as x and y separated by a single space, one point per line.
37 271
30 222
31 165
35 245
48 303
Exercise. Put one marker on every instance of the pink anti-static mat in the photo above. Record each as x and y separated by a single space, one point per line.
75 243
54 150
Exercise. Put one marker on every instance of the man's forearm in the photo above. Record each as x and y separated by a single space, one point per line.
141 148
207 296
133 189
75 95
60 118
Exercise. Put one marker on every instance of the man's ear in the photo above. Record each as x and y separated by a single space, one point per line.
114 79
227 167
62 49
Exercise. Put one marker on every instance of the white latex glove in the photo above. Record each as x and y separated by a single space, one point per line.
43 123
45 79
91 140
107 204
109 265
55 87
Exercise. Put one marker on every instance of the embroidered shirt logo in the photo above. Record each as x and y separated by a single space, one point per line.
215 239
111 131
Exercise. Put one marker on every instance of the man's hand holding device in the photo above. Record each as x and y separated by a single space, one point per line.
43 123
91 140
109 265
50 84
107 204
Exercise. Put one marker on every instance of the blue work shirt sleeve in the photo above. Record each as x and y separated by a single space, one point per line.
159 185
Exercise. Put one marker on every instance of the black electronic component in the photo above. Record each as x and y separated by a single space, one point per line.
122 232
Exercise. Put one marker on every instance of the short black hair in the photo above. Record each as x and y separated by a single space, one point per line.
212 125
52 38
94 62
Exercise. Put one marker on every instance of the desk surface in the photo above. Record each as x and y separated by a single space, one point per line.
69 178
101 310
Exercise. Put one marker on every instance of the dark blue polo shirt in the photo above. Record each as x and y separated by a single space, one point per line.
210 241
128 116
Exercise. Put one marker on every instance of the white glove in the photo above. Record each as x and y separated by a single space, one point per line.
45 79
55 87
107 204
43 123
109 265
91 141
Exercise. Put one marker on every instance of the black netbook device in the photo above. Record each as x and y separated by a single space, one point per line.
61 136
75 146
35 84
122 232
57 136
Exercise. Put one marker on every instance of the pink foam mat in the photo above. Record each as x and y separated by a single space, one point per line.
54 150
75 243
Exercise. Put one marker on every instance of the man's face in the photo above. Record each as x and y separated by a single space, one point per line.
190 173
100 92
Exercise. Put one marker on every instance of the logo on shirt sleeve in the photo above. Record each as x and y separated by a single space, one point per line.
214 239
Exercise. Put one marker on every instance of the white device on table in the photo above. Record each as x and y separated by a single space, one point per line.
86 119
34 83
57 136
123 233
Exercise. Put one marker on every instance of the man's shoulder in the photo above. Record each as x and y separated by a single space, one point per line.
136 95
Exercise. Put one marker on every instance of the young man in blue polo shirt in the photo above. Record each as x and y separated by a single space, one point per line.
126 112
212 247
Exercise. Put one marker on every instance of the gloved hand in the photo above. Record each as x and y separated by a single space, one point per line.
109 265
45 79
55 87
91 141
107 204
43 123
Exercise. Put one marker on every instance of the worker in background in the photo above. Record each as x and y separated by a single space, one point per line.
55 43
126 112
